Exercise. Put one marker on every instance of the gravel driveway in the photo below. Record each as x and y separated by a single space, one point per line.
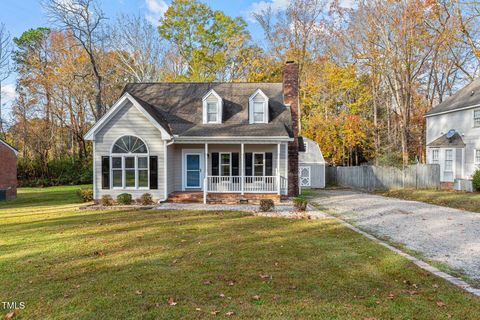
440 233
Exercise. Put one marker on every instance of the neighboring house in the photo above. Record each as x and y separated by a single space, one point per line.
8 171
311 164
453 134
200 141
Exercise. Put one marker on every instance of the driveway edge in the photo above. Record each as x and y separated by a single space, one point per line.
422 264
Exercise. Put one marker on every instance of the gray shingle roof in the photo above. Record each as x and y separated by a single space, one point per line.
443 142
465 97
178 107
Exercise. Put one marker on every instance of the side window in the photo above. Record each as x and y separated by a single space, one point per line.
435 159
449 160
476 118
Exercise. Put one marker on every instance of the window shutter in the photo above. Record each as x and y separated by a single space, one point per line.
268 164
248 164
154 172
105 172
215 163
235 166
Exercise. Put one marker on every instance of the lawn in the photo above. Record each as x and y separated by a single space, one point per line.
454 199
65 263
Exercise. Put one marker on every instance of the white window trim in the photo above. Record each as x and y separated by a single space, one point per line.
251 105
475 157
445 160
219 107
127 155
435 161
220 164
473 118
263 164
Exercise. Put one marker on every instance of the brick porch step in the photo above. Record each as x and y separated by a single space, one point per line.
186 197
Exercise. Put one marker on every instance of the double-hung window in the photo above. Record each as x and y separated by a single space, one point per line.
259 164
449 160
435 158
225 164
477 156
129 164
258 108
212 112
476 118
258 112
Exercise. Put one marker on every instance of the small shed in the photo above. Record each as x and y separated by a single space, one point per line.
311 164
8 171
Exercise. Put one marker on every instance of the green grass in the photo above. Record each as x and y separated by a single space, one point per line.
454 199
65 263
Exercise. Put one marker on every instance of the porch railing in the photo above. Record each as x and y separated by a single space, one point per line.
263 184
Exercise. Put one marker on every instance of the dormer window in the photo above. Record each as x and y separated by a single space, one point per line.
258 107
212 107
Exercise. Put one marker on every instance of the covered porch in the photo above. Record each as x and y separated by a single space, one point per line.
228 171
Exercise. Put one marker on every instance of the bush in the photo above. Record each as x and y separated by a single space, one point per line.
476 180
146 199
124 198
266 205
300 203
86 194
106 200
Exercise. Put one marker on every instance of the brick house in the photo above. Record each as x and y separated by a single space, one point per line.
205 142
8 171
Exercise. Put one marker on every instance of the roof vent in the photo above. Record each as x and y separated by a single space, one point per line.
472 93
450 134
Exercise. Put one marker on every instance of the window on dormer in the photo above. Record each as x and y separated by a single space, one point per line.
212 112
212 107
258 108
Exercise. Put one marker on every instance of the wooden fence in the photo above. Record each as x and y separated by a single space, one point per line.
420 176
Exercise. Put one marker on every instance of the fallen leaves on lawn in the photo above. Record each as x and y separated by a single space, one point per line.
391 296
215 312
171 302
231 283
222 295
98 253
139 292
207 282
440 304
265 276
435 286
256 297
229 313
370 318
11 315
198 309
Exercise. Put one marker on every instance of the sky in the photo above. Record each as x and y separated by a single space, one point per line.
21 15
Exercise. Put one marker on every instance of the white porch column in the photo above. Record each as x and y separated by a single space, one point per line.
242 167
205 175
278 168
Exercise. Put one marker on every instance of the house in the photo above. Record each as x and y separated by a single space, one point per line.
453 135
311 164
8 171
200 141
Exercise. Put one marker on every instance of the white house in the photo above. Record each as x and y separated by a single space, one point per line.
200 141
453 134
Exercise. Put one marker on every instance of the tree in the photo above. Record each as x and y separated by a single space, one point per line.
5 64
83 18
207 41
138 47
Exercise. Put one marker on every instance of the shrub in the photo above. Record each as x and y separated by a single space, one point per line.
86 194
124 198
266 205
146 199
106 200
476 180
300 203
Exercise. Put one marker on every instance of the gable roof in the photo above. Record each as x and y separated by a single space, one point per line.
178 106
443 142
9 146
467 97
147 110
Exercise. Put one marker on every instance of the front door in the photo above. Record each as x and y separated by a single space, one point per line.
193 170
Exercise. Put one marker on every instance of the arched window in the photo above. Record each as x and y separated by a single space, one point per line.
129 164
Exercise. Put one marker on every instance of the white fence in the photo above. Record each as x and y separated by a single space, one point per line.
420 176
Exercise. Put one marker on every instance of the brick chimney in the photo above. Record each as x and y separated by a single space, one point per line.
291 98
